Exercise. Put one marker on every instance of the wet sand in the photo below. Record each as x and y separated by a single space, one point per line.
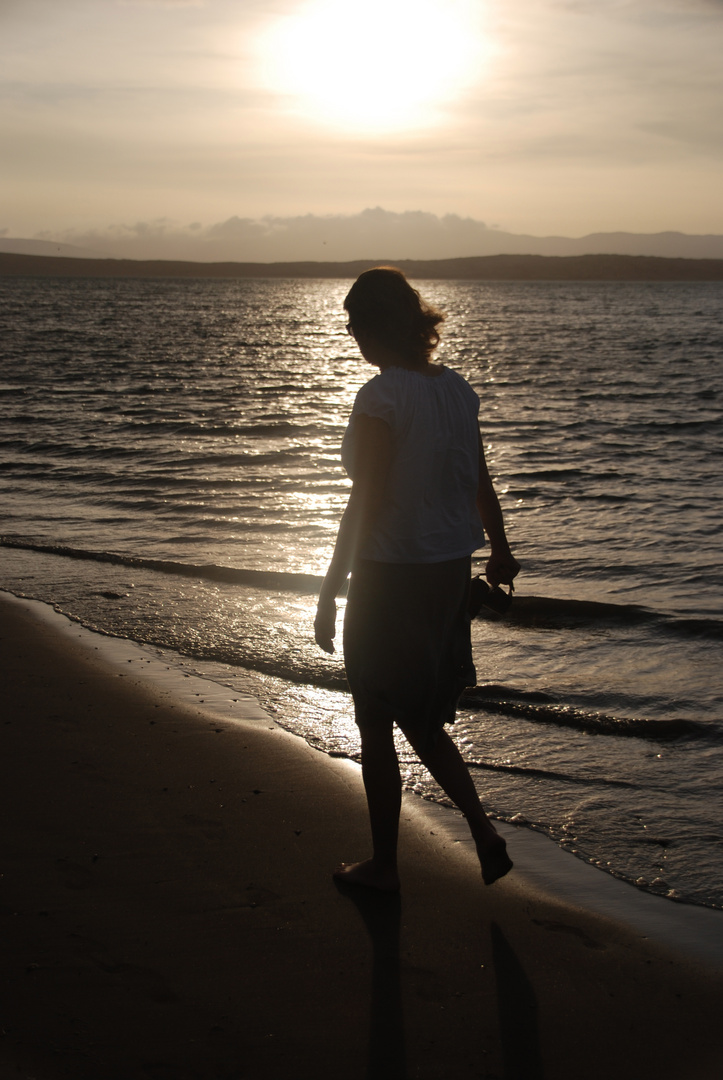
169 911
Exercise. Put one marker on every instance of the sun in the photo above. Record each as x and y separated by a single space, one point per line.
381 66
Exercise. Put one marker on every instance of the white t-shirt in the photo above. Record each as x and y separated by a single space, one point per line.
429 511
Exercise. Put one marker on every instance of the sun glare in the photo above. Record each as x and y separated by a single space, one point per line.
381 66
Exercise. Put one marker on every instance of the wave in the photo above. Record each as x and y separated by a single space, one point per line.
211 429
554 611
549 612
529 611
500 699
261 579
551 774
699 628
533 706
517 770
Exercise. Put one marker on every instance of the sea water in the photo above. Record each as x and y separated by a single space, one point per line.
170 473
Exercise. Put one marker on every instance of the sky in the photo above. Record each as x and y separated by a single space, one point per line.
149 127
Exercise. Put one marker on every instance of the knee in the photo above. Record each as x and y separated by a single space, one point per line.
377 737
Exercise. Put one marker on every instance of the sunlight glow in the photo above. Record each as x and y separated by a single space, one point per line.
389 65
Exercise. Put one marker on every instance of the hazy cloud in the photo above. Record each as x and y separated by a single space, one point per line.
162 3
586 115
372 234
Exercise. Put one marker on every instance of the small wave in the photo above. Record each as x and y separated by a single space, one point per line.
516 770
149 423
520 703
533 611
550 774
702 628
547 474
531 705
548 611
259 579
495 691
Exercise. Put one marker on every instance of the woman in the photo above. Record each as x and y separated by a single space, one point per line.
421 495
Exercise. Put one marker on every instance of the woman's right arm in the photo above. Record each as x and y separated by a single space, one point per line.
372 459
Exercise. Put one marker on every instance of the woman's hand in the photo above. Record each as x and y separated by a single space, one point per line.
325 625
502 569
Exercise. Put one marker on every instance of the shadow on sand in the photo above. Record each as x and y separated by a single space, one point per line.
516 1001
382 917
517 1011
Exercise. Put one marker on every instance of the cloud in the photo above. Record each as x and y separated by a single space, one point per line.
162 3
372 234
583 78
587 114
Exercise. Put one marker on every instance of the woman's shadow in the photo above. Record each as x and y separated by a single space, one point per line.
518 1013
516 1000
382 917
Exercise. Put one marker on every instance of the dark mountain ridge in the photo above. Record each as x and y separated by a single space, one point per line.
482 268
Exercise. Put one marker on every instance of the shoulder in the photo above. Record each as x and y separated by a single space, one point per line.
460 388
457 379
377 396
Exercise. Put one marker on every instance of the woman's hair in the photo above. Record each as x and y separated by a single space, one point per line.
383 306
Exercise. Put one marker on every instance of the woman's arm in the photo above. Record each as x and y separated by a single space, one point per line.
372 459
502 567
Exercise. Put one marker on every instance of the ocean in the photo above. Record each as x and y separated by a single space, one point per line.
170 473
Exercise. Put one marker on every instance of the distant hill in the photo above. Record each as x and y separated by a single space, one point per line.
333 238
666 245
485 268
17 246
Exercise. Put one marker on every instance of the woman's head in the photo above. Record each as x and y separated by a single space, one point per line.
385 309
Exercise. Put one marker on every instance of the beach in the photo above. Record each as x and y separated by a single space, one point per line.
171 475
170 912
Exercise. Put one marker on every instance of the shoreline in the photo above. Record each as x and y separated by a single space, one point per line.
110 912
694 930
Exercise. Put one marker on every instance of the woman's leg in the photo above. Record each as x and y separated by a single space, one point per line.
449 769
383 786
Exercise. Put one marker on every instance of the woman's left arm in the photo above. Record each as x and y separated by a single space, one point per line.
372 460
502 567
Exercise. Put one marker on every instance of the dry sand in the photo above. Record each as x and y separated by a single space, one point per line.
169 911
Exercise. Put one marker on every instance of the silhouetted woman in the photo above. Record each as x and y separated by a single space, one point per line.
421 495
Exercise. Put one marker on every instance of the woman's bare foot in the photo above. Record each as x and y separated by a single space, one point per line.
491 849
367 874
493 857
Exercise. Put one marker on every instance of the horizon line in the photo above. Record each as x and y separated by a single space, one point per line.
519 267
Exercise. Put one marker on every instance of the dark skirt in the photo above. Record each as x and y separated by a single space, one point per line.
407 644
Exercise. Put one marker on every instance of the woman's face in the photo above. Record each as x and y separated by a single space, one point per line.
372 351
365 344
